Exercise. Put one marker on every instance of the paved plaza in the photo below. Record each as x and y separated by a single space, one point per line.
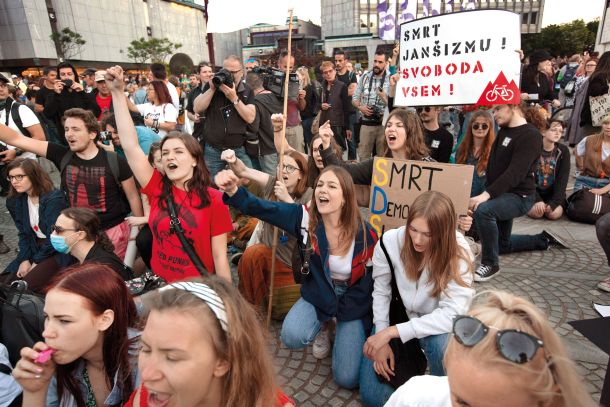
560 282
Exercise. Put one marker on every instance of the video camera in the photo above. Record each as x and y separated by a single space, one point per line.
274 79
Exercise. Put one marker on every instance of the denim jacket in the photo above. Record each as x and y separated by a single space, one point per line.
317 287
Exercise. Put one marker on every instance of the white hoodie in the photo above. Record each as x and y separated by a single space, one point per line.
427 315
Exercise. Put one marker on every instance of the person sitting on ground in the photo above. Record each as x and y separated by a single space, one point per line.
159 113
203 216
203 345
338 281
254 267
592 157
507 343
552 174
90 327
427 253
34 205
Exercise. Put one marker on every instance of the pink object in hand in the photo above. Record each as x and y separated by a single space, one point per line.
44 356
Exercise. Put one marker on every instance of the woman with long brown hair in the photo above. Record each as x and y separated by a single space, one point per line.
89 332
475 148
186 181
159 113
335 278
433 271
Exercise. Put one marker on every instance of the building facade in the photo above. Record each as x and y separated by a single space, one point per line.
352 25
602 43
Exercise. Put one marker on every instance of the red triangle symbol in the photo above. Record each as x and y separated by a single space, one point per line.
500 92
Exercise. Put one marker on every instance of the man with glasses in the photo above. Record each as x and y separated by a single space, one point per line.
438 139
371 98
348 77
229 114
335 104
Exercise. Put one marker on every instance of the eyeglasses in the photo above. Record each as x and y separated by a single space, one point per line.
17 177
590 65
423 109
235 72
289 169
477 126
514 345
59 229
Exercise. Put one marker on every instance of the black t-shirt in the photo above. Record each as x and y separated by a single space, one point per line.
440 143
41 95
348 78
90 184
97 254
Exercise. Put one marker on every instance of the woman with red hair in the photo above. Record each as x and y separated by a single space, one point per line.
159 112
89 313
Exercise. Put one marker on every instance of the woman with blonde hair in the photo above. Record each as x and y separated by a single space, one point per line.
203 345
309 93
432 267
503 353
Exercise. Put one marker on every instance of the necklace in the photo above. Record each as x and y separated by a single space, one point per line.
90 402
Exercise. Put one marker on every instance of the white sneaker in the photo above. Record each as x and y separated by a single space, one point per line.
321 345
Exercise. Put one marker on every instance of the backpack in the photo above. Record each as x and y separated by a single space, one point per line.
12 108
586 207
568 75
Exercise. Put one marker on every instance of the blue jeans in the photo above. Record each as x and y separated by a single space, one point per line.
584 181
494 220
375 393
301 326
266 163
212 159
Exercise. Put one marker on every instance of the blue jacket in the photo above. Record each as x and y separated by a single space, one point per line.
317 287
50 206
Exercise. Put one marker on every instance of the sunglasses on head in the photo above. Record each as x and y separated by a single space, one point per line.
514 345
477 126
423 109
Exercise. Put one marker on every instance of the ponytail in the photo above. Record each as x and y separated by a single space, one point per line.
103 240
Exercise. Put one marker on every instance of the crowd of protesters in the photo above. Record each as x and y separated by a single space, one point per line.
193 173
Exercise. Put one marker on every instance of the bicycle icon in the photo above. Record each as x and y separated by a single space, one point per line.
499 91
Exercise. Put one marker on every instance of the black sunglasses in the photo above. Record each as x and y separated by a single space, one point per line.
59 229
477 126
513 345
423 109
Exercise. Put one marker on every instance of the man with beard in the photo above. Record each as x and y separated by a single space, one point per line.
438 139
371 98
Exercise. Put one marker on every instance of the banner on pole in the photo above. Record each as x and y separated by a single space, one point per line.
396 184
460 58
387 19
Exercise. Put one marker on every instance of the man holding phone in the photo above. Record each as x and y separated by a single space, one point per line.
67 93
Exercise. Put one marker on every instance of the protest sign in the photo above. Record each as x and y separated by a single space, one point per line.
460 58
396 184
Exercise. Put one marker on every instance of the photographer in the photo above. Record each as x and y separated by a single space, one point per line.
205 75
228 114
68 93
371 98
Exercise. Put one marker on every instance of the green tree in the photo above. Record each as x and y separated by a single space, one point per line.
155 50
562 39
69 43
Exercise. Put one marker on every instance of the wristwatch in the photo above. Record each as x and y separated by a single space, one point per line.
236 101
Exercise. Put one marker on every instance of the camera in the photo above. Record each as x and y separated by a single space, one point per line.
67 83
105 137
223 77
376 116
274 80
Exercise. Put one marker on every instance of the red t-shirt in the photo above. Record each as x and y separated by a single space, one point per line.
169 260
104 104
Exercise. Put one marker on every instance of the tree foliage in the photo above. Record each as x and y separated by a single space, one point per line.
562 39
154 49
70 42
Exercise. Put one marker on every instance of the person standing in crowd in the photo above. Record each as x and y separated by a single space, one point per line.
68 93
194 81
88 176
552 174
262 150
438 139
371 98
252 63
204 71
102 95
146 137
157 72
90 327
88 78
19 83
49 74
432 265
350 80
507 343
339 283
34 205
140 95
204 218
537 78
159 113
475 148
598 85
294 130
226 361
335 104
311 96
227 115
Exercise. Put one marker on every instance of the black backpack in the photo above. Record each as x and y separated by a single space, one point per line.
568 75
12 108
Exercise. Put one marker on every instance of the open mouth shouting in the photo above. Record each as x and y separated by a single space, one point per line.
172 166
158 399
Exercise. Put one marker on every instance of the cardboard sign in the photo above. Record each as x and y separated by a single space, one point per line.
460 58
396 184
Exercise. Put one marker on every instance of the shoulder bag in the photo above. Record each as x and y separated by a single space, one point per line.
409 358
600 108
586 207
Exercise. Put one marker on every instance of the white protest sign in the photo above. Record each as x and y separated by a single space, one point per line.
460 58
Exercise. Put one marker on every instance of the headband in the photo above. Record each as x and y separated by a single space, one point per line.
205 293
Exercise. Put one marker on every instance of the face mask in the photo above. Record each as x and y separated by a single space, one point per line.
60 245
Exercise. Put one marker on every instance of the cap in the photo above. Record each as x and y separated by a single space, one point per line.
99 76
14 76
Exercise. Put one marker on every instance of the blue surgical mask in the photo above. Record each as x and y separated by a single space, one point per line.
59 243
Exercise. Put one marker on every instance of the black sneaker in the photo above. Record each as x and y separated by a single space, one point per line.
484 272
555 240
